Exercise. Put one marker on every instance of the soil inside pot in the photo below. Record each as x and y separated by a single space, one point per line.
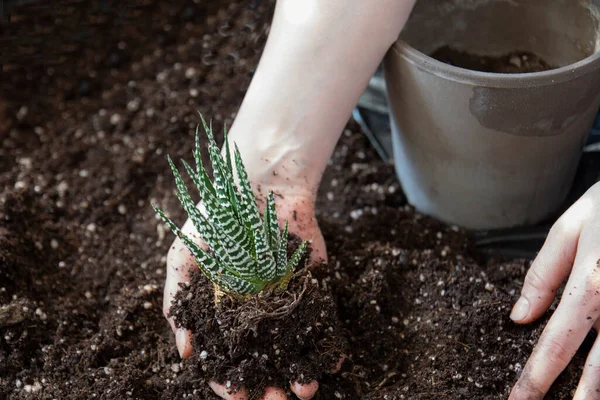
82 256
515 62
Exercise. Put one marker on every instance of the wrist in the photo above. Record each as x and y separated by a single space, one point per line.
280 162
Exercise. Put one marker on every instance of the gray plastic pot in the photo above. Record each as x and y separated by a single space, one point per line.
484 150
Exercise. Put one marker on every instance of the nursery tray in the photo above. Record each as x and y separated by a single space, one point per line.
372 115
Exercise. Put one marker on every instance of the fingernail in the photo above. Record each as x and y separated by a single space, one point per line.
180 338
520 310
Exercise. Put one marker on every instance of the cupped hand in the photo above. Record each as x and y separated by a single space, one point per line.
572 249
299 211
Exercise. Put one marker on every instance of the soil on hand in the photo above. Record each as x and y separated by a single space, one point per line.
272 339
516 62
82 254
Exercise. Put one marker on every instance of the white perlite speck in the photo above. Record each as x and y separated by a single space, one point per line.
190 73
115 119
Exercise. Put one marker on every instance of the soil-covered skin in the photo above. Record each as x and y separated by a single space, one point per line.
516 62
82 254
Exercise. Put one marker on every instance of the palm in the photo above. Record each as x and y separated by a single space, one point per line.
298 210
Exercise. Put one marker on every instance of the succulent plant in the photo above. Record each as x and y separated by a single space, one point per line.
247 254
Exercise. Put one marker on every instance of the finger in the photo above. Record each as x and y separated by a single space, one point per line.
305 391
226 393
561 338
272 393
551 266
589 384
179 264
183 339
319 249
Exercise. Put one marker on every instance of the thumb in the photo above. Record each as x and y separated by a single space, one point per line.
551 266
179 264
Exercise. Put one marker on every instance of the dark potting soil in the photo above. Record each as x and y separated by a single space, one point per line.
82 255
272 339
516 62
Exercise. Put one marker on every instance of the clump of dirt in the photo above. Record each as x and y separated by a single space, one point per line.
271 339
515 62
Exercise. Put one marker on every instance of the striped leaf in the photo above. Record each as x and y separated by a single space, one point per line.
220 213
237 259
204 227
272 226
219 175
208 265
201 181
241 262
232 226
248 253
265 268
240 286
282 252
249 207
228 164
266 226
234 194
295 258
206 184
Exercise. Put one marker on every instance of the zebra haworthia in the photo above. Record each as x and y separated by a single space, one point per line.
247 254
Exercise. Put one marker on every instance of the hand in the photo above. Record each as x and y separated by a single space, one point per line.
298 209
572 247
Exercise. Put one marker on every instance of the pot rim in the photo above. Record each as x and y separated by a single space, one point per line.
429 64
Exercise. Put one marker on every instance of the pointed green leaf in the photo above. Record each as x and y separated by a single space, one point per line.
229 164
250 253
235 200
236 258
241 262
206 184
239 286
216 157
234 194
208 265
273 224
204 228
201 181
239 255
217 212
266 226
295 258
219 174
282 252
204 125
266 267
249 209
